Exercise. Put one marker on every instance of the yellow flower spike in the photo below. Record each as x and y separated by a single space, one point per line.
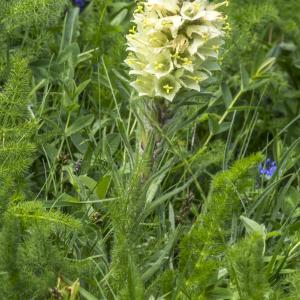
171 42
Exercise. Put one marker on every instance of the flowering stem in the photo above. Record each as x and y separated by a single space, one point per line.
149 119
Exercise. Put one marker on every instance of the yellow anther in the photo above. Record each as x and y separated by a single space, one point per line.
205 36
158 66
226 3
196 78
186 61
227 27
154 39
146 22
139 9
168 88
165 22
176 55
132 30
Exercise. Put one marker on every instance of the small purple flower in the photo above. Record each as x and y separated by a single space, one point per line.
77 166
267 169
80 3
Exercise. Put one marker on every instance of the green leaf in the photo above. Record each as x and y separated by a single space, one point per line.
291 200
81 87
251 226
155 184
124 136
244 78
215 127
113 142
102 186
63 200
69 52
242 108
135 284
79 124
79 142
161 256
213 124
171 216
227 96
69 27
50 152
265 66
87 182
119 18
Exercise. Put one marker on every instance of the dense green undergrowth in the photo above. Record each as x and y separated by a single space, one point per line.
106 195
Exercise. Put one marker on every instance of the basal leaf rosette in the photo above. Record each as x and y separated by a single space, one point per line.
173 44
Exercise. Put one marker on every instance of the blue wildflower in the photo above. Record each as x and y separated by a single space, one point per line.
80 3
268 168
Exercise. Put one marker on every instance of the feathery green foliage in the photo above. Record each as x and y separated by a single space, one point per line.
247 268
31 259
18 14
201 250
17 127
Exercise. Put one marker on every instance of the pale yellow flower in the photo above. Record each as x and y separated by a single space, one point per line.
160 64
167 87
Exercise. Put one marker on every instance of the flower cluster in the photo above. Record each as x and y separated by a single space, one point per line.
268 169
173 44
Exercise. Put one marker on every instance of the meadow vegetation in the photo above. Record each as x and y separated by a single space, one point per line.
110 193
